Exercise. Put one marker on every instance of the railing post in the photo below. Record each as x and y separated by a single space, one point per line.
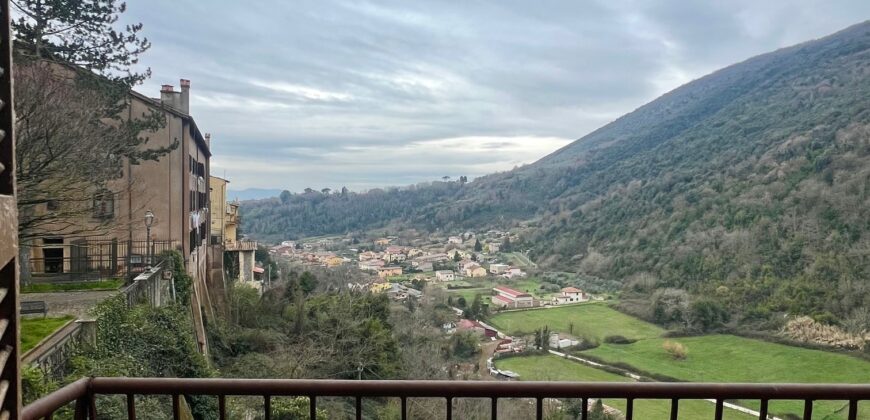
449 408
584 408
853 409
808 410
312 407
494 409
539 408
267 406
222 407
629 408
762 410
131 407
81 410
675 409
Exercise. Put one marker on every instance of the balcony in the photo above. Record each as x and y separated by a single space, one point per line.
240 246
82 393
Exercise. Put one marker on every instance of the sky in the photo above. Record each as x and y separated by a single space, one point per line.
365 94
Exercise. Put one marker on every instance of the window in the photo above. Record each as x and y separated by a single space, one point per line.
52 205
104 204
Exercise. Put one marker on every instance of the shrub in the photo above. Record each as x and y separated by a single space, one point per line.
618 339
677 350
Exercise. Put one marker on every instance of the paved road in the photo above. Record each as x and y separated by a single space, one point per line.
69 303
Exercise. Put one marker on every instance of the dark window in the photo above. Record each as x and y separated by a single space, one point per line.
104 204
52 205
52 241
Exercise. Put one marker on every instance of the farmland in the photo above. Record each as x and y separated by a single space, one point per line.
554 368
592 320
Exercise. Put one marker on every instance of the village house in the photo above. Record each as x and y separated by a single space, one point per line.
424 267
498 269
389 271
514 272
509 298
334 261
493 247
570 295
475 270
371 265
456 240
382 241
380 286
445 275
476 327
369 255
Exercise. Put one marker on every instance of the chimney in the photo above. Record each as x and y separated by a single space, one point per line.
169 96
208 140
184 106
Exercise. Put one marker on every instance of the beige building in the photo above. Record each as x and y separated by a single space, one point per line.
174 188
225 220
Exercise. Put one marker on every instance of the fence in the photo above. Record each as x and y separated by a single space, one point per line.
89 260
154 287
52 353
83 393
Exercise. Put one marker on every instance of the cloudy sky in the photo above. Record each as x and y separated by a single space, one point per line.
363 94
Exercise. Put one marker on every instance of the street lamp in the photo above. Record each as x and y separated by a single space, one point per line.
149 220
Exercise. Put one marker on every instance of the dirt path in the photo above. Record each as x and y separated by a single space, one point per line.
76 304
486 351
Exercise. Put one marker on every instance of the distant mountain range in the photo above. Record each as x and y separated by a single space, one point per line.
749 187
252 194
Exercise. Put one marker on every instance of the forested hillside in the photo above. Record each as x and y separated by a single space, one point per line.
749 186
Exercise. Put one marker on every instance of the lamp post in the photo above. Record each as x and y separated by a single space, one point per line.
149 220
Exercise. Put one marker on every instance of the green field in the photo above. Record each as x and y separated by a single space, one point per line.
594 320
728 358
33 330
553 368
711 358
112 284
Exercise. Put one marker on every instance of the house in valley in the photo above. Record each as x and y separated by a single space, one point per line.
570 295
498 269
445 275
474 270
389 271
509 298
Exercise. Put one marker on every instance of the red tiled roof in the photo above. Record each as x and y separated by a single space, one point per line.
503 299
259 270
572 290
511 292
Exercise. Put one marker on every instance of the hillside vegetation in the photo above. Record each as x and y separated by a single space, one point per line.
748 187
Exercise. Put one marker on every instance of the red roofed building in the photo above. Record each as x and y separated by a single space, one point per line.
571 295
509 298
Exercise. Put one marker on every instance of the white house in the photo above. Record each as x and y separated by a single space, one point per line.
570 295
445 275
454 240
498 268
514 272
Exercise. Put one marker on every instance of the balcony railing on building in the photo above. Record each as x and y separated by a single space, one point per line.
90 260
82 394
240 246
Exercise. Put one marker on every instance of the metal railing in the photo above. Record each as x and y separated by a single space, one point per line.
91 260
83 392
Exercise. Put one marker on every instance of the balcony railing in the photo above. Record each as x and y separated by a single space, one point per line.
83 393
241 246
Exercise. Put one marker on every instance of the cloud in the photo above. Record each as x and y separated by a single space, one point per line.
372 93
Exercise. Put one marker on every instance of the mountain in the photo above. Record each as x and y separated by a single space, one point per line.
749 187
252 194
